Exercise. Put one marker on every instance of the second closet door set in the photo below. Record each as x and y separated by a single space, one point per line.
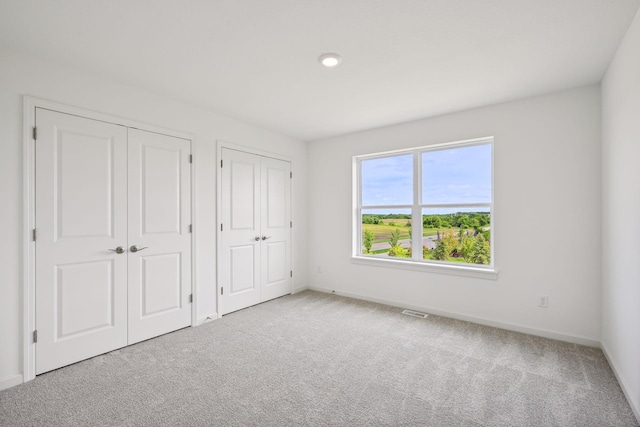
255 235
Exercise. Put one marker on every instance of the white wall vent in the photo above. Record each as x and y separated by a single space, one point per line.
415 314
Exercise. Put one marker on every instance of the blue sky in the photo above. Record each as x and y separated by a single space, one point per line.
456 175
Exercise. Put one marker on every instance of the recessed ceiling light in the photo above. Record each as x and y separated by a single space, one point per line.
330 60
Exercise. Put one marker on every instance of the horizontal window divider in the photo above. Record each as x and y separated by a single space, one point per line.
457 205
387 207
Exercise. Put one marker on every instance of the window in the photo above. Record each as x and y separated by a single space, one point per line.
429 205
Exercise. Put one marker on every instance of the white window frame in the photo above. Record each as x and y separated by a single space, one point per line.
417 263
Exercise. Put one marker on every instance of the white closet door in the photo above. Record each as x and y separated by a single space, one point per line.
240 236
159 219
81 218
255 254
275 218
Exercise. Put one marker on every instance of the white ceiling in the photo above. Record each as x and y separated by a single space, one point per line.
256 60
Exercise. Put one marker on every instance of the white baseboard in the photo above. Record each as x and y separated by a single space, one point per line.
634 402
298 290
205 319
509 326
11 382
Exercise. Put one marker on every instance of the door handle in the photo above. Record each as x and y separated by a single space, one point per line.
134 248
118 250
257 238
266 237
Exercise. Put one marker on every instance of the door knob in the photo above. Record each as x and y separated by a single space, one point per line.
256 238
134 248
266 237
118 250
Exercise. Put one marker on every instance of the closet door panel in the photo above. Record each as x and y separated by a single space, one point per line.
81 214
240 236
275 228
159 236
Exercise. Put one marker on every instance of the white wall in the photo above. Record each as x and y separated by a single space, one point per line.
547 217
621 214
26 76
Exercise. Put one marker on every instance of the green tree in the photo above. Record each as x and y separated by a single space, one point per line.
466 246
440 252
463 221
398 251
481 253
367 240
450 241
432 221
425 252
445 245
395 236
369 219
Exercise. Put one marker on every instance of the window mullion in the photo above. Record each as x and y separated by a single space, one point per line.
358 209
416 214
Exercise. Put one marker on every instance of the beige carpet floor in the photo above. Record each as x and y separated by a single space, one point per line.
317 359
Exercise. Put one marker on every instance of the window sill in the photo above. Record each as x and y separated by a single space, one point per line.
455 270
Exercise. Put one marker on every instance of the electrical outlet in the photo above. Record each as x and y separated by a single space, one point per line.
543 301
319 270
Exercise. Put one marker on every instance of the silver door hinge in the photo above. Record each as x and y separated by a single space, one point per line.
290 224
190 158
221 291
190 297
291 273
221 163
220 227
35 133
35 336
190 228
33 234
290 174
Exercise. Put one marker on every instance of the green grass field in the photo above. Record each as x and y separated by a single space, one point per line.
382 232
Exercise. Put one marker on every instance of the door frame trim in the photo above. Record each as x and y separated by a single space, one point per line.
219 146
30 104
